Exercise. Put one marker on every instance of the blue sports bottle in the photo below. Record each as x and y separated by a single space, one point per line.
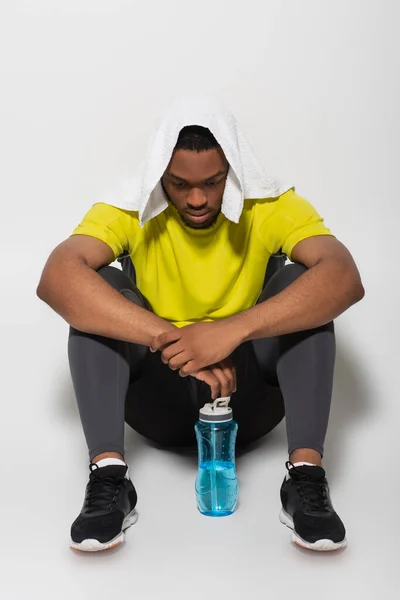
216 483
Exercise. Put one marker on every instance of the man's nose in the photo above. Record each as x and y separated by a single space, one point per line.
197 198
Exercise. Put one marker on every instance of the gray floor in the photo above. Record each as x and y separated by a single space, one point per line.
173 551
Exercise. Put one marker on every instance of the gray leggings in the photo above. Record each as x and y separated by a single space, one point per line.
289 375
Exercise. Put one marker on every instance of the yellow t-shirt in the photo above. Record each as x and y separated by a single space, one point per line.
191 275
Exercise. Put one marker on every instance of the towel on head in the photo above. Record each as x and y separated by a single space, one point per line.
246 178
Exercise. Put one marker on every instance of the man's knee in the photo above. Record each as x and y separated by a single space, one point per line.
123 284
290 273
281 279
114 276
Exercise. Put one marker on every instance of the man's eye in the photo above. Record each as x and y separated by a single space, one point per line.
183 185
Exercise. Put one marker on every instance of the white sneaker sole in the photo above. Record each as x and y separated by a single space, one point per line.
324 545
93 545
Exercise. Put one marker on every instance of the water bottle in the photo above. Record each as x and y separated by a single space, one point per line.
216 483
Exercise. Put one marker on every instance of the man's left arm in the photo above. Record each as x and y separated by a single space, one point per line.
331 284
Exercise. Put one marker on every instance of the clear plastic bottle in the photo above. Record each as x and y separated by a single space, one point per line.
216 483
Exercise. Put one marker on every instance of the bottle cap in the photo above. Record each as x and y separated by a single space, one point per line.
217 411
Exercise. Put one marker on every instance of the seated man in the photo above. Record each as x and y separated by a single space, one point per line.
195 318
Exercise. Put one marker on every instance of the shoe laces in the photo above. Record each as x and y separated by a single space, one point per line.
311 490
102 491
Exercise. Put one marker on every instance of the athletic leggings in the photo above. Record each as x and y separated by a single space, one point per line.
116 381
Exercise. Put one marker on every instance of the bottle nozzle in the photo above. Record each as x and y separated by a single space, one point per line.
224 401
216 411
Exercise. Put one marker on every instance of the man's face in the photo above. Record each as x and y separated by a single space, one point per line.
194 183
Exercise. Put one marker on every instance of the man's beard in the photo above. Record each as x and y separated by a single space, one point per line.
207 225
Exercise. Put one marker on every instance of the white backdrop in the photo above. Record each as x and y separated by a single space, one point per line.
315 85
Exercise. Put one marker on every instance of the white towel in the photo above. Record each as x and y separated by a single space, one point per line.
246 178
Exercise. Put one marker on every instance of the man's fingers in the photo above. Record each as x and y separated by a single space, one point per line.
171 351
221 378
178 361
229 374
211 379
225 379
229 370
165 339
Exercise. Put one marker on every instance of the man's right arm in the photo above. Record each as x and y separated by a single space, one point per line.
70 285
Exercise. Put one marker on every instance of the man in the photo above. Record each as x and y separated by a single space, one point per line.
149 345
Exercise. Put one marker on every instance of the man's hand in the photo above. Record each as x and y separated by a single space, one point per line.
220 377
196 346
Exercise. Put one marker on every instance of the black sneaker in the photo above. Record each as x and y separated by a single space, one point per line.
108 509
307 509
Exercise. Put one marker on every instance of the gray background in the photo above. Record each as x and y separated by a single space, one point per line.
315 85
